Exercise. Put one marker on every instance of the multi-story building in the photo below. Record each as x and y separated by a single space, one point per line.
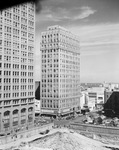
60 83
17 91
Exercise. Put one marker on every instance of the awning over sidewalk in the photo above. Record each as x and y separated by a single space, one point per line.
48 113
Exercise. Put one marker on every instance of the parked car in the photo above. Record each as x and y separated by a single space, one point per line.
2 134
44 132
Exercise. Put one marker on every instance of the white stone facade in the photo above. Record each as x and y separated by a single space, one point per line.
17 35
60 83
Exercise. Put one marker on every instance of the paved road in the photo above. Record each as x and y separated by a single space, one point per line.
65 122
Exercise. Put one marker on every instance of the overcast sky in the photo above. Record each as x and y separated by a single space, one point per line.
96 22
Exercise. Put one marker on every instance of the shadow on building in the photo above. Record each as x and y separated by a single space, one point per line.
37 90
111 107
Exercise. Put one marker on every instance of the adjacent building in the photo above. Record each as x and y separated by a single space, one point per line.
107 94
109 89
96 97
17 91
60 83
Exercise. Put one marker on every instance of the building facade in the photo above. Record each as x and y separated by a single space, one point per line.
60 83
17 91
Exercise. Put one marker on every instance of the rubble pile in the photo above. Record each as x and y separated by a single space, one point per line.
68 141
64 139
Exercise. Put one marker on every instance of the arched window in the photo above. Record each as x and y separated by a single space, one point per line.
30 109
6 113
23 110
15 111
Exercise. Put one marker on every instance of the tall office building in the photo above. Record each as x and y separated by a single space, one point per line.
17 33
60 84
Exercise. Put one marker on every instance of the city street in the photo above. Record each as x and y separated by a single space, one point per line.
64 122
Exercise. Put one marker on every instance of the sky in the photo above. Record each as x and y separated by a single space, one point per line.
96 22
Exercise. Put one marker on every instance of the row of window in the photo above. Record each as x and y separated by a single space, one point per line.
53 39
49 104
67 66
17 87
8 102
16 80
50 51
16 66
56 34
50 75
16 46
19 17
65 56
61 76
22 94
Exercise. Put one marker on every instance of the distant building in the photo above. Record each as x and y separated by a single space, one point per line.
111 86
17 88
60 84
91 85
